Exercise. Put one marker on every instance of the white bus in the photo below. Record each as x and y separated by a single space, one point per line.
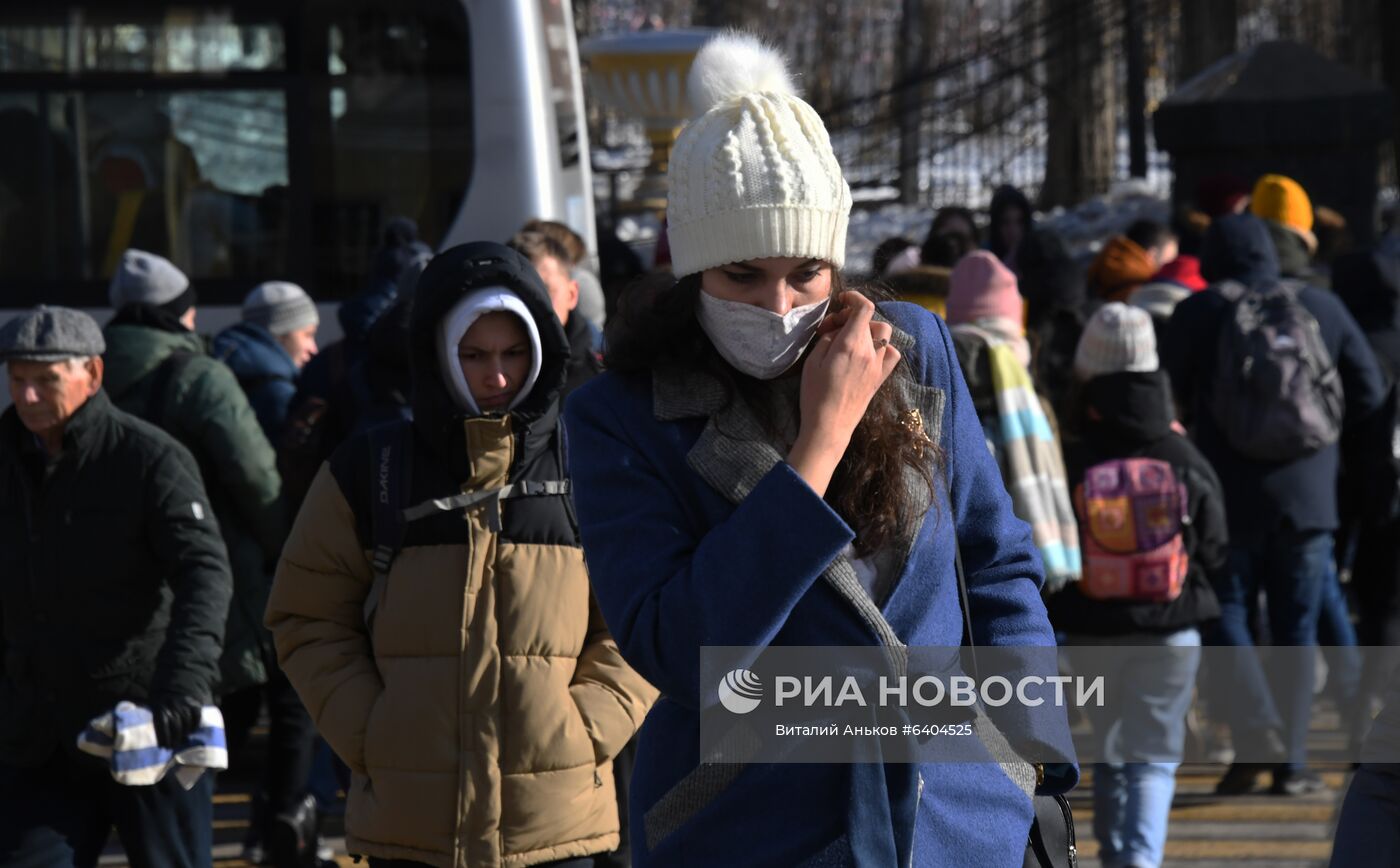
256 139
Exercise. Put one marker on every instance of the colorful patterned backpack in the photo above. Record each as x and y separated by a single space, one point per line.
1132 512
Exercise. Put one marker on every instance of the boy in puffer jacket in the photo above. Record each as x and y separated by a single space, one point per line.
432 607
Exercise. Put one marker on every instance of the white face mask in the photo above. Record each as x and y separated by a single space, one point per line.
755 340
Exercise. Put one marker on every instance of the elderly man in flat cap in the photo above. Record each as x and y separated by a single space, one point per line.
115 586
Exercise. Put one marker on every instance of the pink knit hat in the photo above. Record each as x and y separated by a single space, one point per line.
982 288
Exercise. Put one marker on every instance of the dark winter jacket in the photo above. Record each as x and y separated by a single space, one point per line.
1368 283
198 401
585 356
1263 497
482 711
399 248
115 583
361 379
264 370
1129 415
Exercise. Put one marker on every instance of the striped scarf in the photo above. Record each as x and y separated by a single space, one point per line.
1031 463
126 739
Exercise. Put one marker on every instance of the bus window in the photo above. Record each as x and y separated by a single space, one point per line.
184 40
199 176
400 126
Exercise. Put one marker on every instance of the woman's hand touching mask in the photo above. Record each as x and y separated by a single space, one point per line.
849 362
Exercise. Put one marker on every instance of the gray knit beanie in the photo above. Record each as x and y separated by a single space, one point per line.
280 307
146 278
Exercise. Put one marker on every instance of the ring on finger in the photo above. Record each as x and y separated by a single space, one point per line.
882 343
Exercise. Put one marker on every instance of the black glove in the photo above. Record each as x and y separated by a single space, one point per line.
175 718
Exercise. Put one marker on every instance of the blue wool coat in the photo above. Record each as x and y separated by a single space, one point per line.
693 541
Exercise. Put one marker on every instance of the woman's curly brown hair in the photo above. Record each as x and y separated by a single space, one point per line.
656 327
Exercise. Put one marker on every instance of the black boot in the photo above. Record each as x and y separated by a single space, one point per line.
291 836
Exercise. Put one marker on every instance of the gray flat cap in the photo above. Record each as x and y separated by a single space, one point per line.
51 334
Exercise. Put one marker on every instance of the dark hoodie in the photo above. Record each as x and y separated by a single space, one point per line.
1129 415
1262 497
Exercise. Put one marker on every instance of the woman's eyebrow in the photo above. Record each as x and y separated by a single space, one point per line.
472 348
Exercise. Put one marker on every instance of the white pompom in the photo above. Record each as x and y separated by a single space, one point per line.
731 65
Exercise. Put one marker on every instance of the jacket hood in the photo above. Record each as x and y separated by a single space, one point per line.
1238 248
252 352
1292 251
452 275
133 351
1131 409
1119 268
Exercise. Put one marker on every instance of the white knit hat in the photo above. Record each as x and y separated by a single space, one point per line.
753 175
1117 338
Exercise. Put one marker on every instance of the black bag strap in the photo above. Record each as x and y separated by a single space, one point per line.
158 399
390 465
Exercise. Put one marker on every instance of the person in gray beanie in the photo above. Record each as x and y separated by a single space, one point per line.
146 279
266 352
161 371
116 587
268 349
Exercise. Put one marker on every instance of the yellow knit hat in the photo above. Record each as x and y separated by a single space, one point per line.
1282 200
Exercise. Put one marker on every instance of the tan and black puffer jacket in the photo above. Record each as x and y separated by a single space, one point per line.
481 716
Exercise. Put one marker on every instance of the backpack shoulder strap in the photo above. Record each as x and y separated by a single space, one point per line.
158 398
390 465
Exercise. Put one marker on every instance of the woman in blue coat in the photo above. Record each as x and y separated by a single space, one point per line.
768 461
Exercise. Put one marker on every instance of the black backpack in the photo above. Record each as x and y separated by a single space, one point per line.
1278 395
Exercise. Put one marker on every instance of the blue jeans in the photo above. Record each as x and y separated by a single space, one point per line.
1368 832
1291 568
1337 635
61 814
1143 737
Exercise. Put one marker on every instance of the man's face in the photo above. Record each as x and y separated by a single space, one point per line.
563 289
47 394
300 345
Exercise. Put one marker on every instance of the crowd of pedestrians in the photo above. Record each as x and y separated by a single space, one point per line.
1283 489
476 607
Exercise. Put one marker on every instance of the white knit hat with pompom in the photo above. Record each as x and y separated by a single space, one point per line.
753 175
